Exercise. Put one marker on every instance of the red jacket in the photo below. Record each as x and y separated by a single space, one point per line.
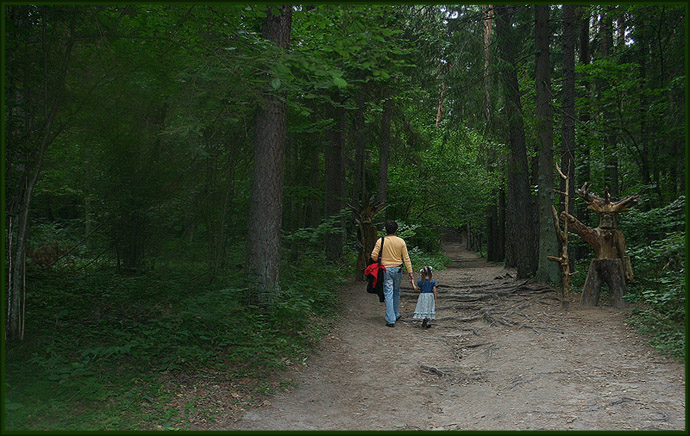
373 271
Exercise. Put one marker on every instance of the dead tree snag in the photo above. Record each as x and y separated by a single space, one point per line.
562 235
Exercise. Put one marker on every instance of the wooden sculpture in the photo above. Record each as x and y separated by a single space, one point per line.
366 232
612 263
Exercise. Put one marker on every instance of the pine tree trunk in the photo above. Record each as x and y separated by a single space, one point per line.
265 211
501 243
313 212
611 146
568 119
487 14
494 240
335 180
548 245
583 174
520 232
384 151
358 133
568 105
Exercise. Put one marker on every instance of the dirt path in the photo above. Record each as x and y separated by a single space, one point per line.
502 355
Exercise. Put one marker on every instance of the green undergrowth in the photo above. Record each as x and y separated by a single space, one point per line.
656 244
96 344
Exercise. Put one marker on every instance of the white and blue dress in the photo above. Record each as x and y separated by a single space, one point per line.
426 303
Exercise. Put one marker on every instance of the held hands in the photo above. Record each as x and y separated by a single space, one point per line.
411 278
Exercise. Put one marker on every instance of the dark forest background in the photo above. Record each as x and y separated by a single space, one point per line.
186 185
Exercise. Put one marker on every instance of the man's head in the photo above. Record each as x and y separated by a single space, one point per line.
391 227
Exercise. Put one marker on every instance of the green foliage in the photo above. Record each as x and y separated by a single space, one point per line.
310 239
656 243
426 188
640 226
94 339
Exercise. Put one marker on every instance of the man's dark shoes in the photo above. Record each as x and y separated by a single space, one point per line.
424 323
390 324
398 318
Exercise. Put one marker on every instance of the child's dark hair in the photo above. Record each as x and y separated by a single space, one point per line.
426 272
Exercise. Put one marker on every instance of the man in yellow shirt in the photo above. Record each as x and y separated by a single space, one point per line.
393 256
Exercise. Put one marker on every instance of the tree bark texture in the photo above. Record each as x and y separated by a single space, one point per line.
611 146
265 211
584 171
487 13
548 245
501 242
358 132
562 235
520 232
335 180
494 251
568 103
384 151
609 271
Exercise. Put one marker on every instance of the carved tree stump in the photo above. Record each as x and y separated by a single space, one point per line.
609 271
366 232
612 263
368 236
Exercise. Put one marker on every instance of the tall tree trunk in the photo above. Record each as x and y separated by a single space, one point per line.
384 151
611 146
313 210
568 104
335 181
644 152
501 242
583 174
40 136
548 244
493 237
520 233
358 132
487 17
265 210
568 122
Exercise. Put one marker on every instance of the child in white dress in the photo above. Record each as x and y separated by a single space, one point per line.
426 302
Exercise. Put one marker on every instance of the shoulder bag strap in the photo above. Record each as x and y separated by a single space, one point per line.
381 249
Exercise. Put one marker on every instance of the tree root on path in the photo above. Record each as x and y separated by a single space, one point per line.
432 370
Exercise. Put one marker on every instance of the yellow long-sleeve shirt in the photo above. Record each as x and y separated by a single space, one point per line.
394 252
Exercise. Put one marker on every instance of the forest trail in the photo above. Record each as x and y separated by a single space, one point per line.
502 355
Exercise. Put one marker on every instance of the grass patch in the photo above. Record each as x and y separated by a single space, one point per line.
105 351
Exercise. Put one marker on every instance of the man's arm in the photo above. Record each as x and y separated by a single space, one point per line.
375 251
406 258
408 263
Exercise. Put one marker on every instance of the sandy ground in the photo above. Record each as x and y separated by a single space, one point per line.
502 355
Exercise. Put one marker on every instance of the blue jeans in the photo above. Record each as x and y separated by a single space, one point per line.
391 292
